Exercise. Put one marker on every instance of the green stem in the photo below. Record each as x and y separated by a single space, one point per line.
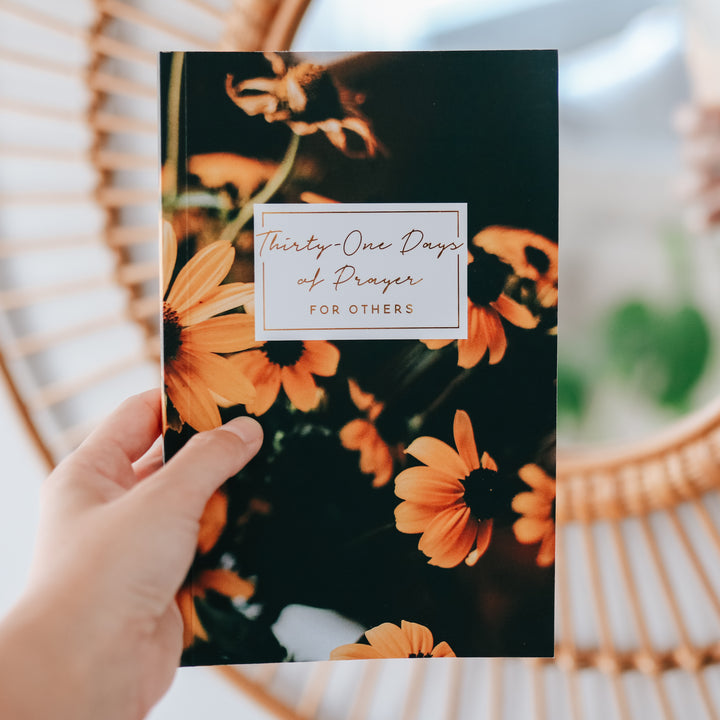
173 124
417 421
360 540
232 230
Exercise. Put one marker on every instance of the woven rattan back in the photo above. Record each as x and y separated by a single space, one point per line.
638 589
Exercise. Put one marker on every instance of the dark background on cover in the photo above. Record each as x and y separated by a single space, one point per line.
479 128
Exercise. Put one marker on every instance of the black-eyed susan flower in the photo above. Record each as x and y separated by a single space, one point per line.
451 499
290 364
410 640
531 256
308 99
537 507
361 434
487 304
197 378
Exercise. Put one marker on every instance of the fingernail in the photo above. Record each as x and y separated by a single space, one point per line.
247 429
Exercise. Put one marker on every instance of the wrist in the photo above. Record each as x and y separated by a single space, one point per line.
55 661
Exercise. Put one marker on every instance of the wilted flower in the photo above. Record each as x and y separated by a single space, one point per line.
308 99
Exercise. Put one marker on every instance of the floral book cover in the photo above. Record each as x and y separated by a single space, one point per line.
360 251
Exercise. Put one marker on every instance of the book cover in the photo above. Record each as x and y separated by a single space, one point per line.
361 252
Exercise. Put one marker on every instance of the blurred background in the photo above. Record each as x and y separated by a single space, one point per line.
639 264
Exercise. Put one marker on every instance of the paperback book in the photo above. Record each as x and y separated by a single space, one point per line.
360 251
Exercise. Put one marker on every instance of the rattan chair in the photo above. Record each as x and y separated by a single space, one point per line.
638 585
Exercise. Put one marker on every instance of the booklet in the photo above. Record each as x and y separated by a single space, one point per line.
361 252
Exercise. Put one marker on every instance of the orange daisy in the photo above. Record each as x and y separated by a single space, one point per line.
197 378
308 99
410 640
361 434
537 507
290 363
487 303
451 499
226 582
531 256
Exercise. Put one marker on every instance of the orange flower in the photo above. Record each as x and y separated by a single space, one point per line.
410 640
290 363
451 499
538 510
197 379
226 582
486 304
308 99
362 435
221 581
217 169
213 521
531 256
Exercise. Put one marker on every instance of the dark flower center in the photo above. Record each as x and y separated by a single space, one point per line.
283 352
420 655
537 258
486 277
482 494
171 333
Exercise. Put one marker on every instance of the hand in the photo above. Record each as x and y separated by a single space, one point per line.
97 633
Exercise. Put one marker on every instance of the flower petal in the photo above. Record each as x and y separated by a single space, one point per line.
443 650
265 377
465 440
495 334
169 254
220 300
225 334
191 399
531 530
192 627
484 534
546 553
437 454
355 651
220 376
487 463
225 582
471 350
411 518
212 522
320 357
389 640
515 313
534 476
300 387
449 537
420 637
428 486
532 505
203 272
354 433
436 344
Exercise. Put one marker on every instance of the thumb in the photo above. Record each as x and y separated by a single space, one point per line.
208 459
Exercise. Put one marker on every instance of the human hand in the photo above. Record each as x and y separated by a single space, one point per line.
97 633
